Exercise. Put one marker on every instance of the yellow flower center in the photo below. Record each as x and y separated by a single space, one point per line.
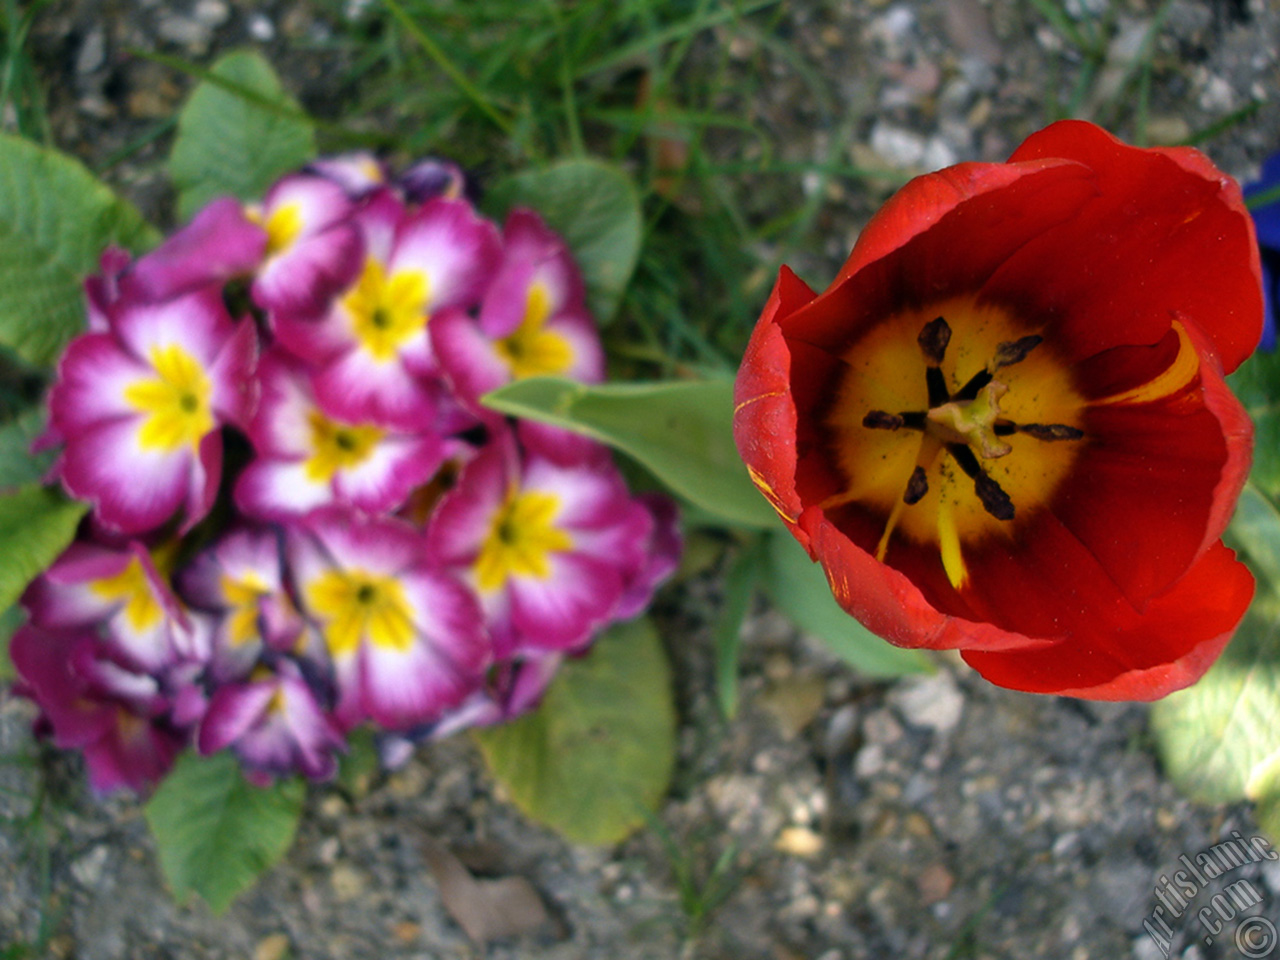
532 350
175 400
131 588
521 538
282 227
951 456
244 596
387 310
353 605
338 446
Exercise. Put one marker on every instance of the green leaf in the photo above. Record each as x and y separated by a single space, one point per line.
215 832
18 466
10 621
595 207
1257 384
1220 739
797 587
56 218
599 751
682 432
739 588
36 524
237 141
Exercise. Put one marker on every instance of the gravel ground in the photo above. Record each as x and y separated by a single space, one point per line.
932 818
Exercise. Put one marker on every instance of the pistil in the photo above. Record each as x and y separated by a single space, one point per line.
968 419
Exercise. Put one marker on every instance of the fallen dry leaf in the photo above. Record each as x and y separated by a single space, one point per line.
485 909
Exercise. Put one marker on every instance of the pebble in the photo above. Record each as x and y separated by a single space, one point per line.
272 947
897 146
933 702
93 52
348 882
88 869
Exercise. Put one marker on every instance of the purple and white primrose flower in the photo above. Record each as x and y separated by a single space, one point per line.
533 320
239 581
274 723
124 593
313 247
139 408
307 457
404 637
550 548
372 345
120 719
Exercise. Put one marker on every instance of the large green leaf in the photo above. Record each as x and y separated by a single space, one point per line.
18 466
237 139
1220 739
36 524
681 431
597 755
797 587
739 590
1257 384
55 220
215 832
595 207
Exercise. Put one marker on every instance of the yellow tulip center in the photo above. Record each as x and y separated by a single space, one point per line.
521 539
532 350
952 455
175 401
353 605
386 311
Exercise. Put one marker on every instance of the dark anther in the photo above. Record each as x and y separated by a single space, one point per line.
1050 431
970 390
933 340
994 500
1003 428
915 420
917 487
1015 351
880 420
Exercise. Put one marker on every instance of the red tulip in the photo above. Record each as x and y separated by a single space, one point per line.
1004 427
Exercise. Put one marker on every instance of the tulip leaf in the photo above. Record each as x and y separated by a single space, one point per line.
1220 739
681 431
36 524
237 136
595 207
739 590
56 218
1256 383
215 832
597 755
797 587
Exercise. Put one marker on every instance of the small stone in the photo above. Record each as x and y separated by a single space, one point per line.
211 13
934 883
88 870
348 883
1168 130
897 146
93 52
933 702
799 842
261 28
407 932
793 703
272 947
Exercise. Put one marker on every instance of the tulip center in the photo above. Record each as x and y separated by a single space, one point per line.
954 455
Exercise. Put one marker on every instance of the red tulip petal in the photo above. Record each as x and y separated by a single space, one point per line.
764 414
1143 656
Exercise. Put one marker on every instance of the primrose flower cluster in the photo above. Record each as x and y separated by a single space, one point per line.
302 519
